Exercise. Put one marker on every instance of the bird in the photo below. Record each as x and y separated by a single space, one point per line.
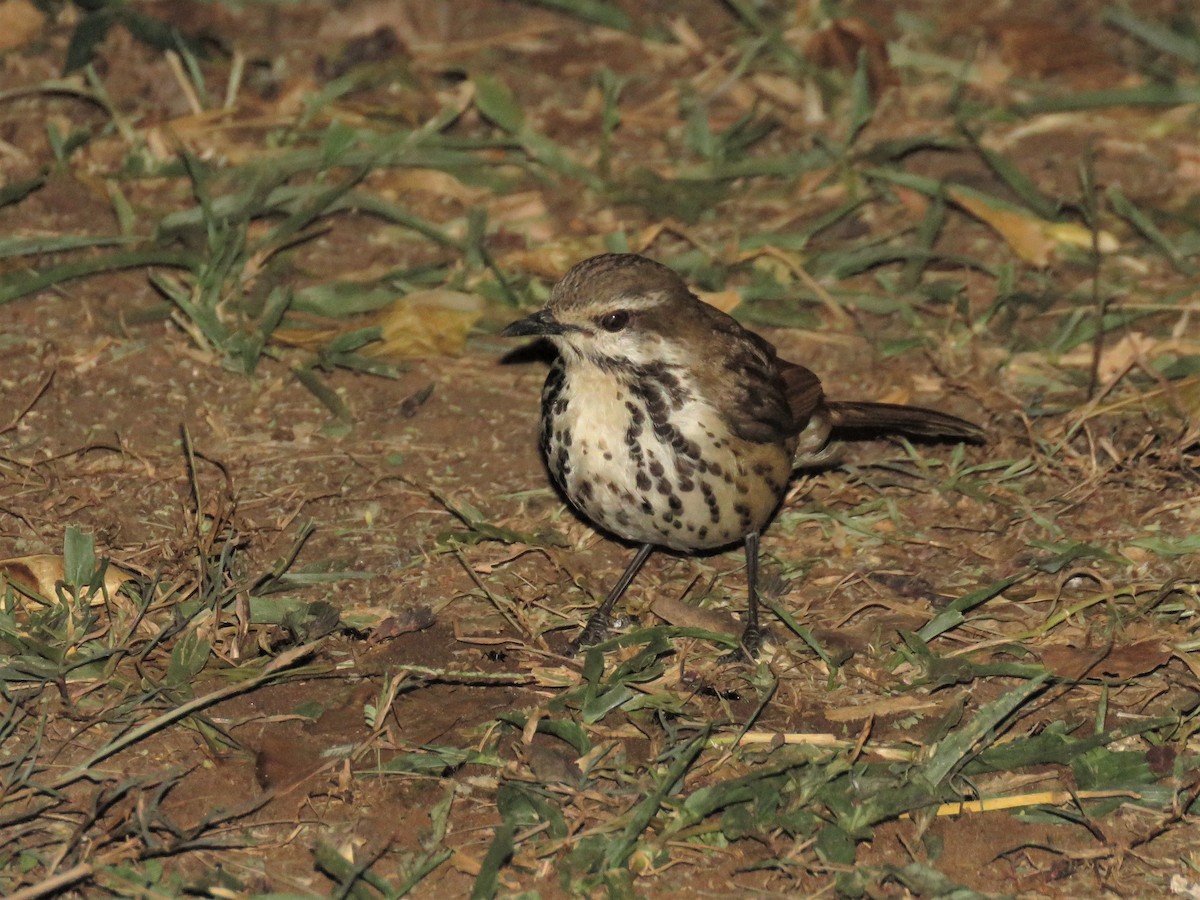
668 424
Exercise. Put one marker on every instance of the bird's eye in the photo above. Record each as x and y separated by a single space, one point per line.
614 321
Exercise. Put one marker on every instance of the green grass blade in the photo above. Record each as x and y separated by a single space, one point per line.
952 616
1158 37
1127 210
21 284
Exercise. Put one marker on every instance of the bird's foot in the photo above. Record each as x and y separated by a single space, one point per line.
597 629
748 647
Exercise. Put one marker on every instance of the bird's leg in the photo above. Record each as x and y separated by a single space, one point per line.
600 623
752 636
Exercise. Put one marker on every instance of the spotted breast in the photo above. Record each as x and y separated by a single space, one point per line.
624 445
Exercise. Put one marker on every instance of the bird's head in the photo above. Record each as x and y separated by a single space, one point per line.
614 309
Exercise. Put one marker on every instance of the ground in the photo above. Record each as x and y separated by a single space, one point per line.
256 257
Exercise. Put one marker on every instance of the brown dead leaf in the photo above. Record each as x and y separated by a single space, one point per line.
1119 662
838 45
211 132
897 394
413 402
686 35
20 22
902 704
1038 48
553 762
683 615
1133 348
402 623
914 201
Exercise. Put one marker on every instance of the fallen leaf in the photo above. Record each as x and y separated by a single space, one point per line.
551 260
40 574
1033 239
424 323
413 402
781 89
725 301
1134 347
1187 162
1119 662
398 184
914 201
1075 235
518 211
902 704
1041 49
20 22
838 45
411 620
685 615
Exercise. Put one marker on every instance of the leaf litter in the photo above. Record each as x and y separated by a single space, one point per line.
354 622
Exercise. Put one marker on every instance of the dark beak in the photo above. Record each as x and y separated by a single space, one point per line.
540 323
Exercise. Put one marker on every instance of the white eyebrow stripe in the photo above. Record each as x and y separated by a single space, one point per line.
640 301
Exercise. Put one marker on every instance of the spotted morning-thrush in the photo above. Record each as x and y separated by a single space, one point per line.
668 424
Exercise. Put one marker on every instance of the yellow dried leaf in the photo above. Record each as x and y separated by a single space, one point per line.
784 90
1025 233
1032 238
309 338
20 22
551 260
42 572
725 301
903 704
1075 235
426 323
396 184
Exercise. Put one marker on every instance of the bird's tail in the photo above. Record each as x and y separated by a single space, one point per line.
892 418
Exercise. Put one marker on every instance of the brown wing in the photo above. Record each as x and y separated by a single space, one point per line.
741 372
804 392
806 398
